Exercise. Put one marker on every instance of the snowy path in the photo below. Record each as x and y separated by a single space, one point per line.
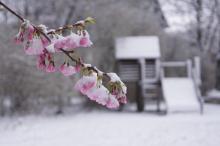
114 129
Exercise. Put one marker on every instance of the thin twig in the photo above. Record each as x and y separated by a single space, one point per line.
13 12
22 19
41 32
79 61
66 27
67 53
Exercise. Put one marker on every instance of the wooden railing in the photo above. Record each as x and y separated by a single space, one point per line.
193 71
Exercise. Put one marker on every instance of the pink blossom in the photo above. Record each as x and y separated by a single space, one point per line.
19 38
41 61
102 96
28 50
51 67
71 42
59 43
119 93
44 41
99 94
91 93
34 47
122 98
68 70
85 40
26 32
30 32
50 47
112 102
86 83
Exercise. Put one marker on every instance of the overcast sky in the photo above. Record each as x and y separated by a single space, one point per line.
178 20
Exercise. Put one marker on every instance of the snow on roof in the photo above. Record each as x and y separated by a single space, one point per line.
137 47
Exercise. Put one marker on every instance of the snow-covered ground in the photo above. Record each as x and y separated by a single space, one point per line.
114 129
213 94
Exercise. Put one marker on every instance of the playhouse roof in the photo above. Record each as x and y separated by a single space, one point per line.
137 47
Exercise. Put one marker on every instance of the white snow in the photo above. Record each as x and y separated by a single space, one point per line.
214 93
137 47
180 94
114 77
113 129
178 22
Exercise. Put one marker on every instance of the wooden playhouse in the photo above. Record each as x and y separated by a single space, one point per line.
140 65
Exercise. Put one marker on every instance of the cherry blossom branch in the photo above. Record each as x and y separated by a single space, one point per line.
77 24
42 43
66 27
80 25
82 64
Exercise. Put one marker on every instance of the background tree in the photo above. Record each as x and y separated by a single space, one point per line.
200 30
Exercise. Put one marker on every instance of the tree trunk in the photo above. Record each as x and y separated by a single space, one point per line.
199 23
139 99
217 85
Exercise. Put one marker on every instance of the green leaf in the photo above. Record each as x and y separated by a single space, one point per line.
90 20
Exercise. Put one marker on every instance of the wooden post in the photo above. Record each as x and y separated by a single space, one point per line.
197 67
142 68
158 68
139 85
139 98
189 68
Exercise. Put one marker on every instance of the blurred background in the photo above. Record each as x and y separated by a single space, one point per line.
185 29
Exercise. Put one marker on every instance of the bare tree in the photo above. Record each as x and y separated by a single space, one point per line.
202 30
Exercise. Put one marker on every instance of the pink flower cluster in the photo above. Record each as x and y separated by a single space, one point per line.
70 42
37 44
34 43
119 89
89 85
34 46
26 32
66 69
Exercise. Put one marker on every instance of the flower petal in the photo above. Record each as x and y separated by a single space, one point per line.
68 70
86 83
